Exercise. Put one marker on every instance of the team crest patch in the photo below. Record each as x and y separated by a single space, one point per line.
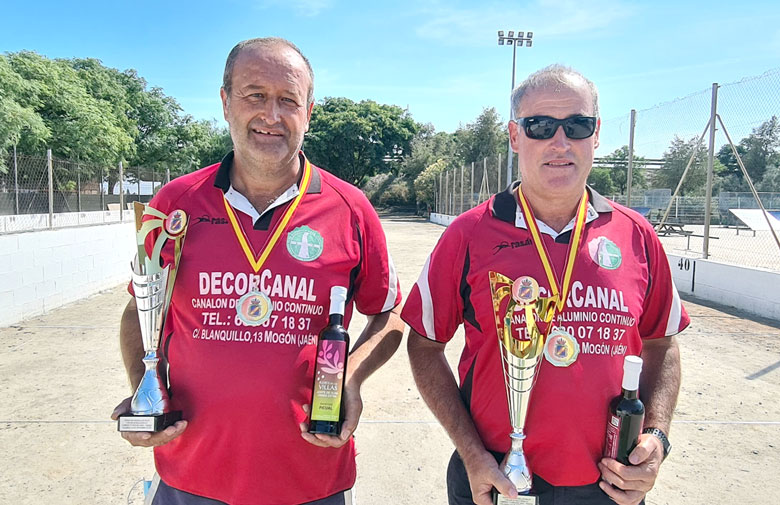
561 349
304 244
254 308
605 253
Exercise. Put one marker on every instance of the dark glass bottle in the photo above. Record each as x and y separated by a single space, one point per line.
330 368
626 414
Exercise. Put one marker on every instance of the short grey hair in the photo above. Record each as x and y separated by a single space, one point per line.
264 42
553 77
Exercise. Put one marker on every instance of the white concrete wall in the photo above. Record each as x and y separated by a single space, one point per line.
750 289
30 222
41 270
442 219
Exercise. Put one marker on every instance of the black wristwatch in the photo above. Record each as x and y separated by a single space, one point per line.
660 435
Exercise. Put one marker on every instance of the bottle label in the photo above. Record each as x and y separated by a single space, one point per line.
328 380
613 437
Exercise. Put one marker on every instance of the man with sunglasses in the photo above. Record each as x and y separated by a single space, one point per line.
605 273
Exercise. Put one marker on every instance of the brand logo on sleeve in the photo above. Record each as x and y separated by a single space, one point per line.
605 253
304 244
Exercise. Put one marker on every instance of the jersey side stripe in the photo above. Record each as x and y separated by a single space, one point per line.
392 284
427 302
675 314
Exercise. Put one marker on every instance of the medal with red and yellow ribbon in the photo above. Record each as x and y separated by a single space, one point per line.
255 307
561 349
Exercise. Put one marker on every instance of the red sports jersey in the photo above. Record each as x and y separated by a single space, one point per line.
241 387
622 292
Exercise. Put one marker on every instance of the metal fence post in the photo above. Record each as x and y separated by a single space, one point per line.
471 187
121 192
446 193
138 174
16 182
78 187
461 189
486 175
630 175
436 192
710 160
50 167
102 198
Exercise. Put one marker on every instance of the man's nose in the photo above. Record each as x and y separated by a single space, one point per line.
559 139
270 111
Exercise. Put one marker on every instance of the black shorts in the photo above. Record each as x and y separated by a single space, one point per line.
163 494
459 492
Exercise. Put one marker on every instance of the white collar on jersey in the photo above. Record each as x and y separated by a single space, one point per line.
240 202
543 228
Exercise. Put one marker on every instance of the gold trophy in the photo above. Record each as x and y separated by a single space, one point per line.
150 408
520 356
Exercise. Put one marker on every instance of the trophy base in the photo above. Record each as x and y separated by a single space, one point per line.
523 499
152 423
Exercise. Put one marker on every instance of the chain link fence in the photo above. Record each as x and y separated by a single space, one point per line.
668 138
38 192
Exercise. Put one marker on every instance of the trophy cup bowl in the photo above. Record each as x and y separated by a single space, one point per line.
520 360
150 407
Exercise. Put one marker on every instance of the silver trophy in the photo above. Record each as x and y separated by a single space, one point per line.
520 358
150 408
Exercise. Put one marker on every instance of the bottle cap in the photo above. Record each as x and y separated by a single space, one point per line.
338 298
632 367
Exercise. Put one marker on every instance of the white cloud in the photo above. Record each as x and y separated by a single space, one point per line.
552 18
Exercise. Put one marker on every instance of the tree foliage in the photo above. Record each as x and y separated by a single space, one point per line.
676 159
82 110
424 183
759 151
355 140
486 137
611 178
427 147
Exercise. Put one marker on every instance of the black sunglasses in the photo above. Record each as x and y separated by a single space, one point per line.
544 127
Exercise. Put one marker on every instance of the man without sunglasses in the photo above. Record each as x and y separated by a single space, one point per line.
266 225
616 298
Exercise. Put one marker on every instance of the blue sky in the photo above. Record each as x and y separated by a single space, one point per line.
439 59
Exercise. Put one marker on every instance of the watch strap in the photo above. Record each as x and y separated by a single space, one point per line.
660 435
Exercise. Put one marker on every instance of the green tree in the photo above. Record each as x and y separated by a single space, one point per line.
355 140
424 184
486 137
675 160
81 126
600 179
771 180
428 147
759 151
20 124
85 111
615 173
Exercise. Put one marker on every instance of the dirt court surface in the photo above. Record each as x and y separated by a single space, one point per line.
61 376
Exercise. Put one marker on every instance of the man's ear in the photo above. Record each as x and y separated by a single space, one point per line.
225 102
